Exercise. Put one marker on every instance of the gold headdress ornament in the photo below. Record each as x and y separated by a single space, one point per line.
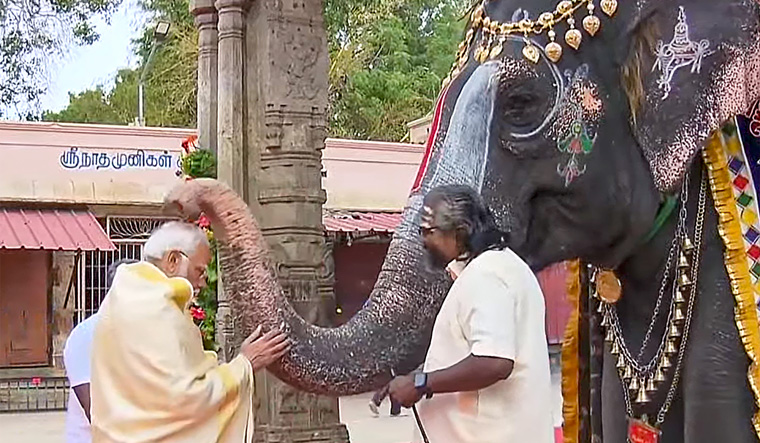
495 33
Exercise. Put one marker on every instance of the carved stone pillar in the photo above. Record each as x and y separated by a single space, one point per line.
206 22
231 155
231 118
286 86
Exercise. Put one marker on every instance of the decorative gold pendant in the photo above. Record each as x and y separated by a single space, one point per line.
608 286
683 262
620 362
674 332
531 53
642 397
553 52
591 24
687 245
651 386
573 38
609 7
679 296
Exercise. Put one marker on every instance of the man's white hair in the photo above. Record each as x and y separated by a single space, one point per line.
174 236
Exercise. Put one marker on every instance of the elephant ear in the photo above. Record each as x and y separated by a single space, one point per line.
688 69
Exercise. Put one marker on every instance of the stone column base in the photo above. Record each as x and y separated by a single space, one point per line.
337 433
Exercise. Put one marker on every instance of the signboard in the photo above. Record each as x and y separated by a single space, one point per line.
89 165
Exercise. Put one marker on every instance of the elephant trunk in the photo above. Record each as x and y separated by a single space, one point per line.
391 332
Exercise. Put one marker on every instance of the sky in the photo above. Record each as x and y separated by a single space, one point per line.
89 66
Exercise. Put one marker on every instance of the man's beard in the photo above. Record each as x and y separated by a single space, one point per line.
434 262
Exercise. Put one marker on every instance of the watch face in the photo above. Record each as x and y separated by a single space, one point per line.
420 380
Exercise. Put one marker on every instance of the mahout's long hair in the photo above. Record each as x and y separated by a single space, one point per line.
460 209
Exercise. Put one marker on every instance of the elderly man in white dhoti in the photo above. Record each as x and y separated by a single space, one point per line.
151 379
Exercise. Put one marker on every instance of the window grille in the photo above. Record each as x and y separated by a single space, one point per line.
128 235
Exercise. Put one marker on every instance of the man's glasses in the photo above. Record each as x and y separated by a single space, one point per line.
203 273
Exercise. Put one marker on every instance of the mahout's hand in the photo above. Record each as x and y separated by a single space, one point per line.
263 350
402 390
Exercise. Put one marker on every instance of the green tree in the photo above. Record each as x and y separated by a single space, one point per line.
388 58
387 62
35 33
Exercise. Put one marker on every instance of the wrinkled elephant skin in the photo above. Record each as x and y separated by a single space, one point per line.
572 157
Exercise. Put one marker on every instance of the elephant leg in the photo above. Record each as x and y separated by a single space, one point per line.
615 417
719 403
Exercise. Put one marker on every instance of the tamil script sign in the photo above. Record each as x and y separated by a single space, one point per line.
74 158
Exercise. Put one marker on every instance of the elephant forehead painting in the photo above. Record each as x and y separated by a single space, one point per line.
580 123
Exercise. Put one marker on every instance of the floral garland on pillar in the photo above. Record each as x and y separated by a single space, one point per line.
201 163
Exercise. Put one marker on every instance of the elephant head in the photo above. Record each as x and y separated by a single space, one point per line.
579 146
572 156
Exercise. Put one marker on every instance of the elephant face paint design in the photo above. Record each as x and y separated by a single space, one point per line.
582 108
681 52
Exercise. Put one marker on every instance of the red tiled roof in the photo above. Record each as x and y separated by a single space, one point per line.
352 221
52 229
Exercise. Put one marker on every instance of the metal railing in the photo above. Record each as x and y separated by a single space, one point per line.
33 394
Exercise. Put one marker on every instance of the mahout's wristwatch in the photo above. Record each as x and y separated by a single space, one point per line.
420 384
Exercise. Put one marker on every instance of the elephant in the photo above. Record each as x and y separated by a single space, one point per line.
582 152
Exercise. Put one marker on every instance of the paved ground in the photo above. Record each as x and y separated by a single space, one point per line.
362 425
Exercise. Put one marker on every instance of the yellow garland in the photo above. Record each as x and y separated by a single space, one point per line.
570 411
735 259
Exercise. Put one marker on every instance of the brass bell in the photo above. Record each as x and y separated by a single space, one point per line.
678 316
659 376
642 397
605 320
610 335
615 349
683 262
684 280
688 246
627 373
674 332
620 362
679 296
634 384
670 348
600 308
651 386
665 363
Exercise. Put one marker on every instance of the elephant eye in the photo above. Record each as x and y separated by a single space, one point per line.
524 105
